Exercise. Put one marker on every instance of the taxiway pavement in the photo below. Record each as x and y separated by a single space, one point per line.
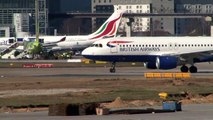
190 112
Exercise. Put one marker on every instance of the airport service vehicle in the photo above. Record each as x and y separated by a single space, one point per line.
155 52
6 42
108 29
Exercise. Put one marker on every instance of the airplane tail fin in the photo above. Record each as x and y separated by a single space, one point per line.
110 26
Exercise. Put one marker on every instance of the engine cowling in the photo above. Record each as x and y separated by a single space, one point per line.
166 62
150 65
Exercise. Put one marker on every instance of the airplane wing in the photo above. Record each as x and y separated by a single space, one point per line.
51 44
188 56
198 55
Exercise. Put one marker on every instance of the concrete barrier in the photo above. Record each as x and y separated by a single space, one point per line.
100 62
74 60
167 75
102 111
72 109
86 61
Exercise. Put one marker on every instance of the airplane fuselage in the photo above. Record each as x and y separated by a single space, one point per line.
75 42
150 46
154 51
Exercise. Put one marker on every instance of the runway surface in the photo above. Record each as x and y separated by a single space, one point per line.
190 112
205 70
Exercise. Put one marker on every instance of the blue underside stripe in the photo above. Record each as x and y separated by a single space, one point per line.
136 58
121 58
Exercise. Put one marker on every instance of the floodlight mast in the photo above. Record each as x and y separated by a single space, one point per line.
36 20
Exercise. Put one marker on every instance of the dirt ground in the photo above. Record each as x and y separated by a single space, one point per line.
17 88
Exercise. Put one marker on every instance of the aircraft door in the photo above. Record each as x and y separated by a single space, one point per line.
114 49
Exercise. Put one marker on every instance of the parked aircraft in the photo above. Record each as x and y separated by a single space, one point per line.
155 52
108 29
46 40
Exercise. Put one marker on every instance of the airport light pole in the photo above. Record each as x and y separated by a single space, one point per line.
35 46
36 21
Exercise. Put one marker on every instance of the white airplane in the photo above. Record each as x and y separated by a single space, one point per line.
46 40
108 29
155 52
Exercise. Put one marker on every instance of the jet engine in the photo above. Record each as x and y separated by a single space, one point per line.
166 62
150 65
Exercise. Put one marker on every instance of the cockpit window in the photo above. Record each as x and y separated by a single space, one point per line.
92 45
96 45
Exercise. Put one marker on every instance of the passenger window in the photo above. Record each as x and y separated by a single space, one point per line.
11 40
92 45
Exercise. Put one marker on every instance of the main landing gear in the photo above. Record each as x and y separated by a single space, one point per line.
192 69
112 69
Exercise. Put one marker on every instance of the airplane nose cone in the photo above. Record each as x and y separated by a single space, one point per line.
87 53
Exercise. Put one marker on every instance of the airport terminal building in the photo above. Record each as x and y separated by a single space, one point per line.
161 25
140 24
17 17
193 26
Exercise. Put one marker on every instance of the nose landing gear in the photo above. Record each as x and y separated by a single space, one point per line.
112 69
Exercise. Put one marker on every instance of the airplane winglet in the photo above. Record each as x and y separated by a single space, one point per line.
61 40
54 43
